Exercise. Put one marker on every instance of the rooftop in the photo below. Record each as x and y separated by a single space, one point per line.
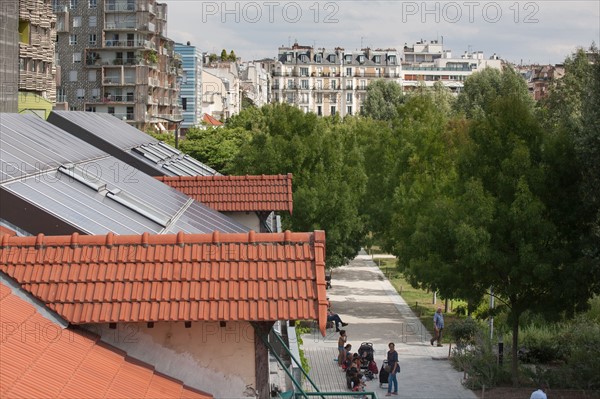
42 359
184 277
237 193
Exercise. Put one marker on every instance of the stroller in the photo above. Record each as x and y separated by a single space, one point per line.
383 375
367 354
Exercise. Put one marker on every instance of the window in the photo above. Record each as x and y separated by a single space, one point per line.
111 110
377 59
333 98
93 21
184 103
72 4
92 3
363 85
290 84
92 39
305 83
318 58
319 110
95 94
319 98
348 71
76 22
349 111
80 94
303 71
332 110
90 109
392 59
76 57
92 75
334 84
55 6
72 39
361 58
72 76
349 98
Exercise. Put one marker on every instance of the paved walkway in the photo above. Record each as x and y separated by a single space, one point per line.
365 299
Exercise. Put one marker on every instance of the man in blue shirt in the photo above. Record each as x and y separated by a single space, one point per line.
438 325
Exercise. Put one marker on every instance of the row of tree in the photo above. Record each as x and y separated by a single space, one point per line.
487 191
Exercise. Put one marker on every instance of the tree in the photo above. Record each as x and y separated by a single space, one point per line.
490 214
326 161
224 56
232 56
482 89
216 147
212 57
382 101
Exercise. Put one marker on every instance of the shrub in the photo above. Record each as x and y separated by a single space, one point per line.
540 344
464 331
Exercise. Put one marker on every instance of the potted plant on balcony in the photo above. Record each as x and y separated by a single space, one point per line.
151 56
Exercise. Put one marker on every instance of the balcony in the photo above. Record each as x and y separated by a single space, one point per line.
123 116
124 43
111 98
129 25
120 6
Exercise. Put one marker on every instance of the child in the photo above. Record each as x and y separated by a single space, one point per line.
342 352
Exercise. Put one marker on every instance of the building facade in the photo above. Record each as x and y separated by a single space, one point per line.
330 82
190 94
255 83
9 55
426 63
115 57
221 95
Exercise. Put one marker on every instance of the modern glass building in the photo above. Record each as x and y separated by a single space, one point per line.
190 96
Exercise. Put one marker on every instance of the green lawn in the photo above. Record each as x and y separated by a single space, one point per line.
420 301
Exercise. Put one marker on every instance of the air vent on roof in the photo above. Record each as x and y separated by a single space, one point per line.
83 176
139 206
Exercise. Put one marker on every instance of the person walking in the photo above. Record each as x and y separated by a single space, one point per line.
438 325
392 361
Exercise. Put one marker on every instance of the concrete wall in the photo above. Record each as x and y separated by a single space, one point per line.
214 359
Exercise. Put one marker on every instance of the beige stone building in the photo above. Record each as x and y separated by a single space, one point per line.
329 82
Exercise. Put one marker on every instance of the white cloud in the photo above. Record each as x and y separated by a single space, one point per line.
532 31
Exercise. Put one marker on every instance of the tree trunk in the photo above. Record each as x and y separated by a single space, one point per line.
515 351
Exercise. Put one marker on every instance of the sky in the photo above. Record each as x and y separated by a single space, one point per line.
522 32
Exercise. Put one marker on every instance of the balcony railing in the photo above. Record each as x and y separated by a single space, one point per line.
122 25
119 98
123 116
124 43
117 6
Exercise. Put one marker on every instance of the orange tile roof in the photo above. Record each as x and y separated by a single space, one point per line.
40 359
209 120
237 193
184 277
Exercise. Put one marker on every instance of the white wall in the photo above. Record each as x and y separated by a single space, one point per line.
214 359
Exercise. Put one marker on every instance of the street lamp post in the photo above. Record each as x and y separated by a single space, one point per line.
177 124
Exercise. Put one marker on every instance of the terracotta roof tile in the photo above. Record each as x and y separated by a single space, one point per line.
41 359
191 277
237 193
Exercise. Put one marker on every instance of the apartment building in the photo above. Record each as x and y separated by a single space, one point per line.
9 55
221 89
254 84
115 57
426 62
330 82
190 95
